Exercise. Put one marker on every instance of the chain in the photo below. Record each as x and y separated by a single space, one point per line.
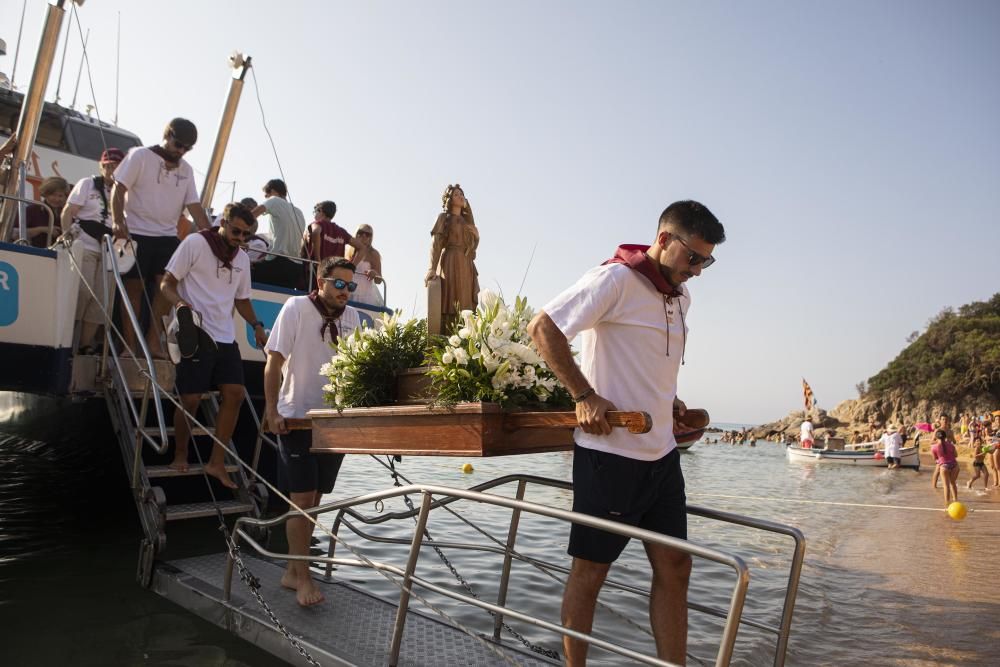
547 652
253 583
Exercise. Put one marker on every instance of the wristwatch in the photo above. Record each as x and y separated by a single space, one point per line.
256 324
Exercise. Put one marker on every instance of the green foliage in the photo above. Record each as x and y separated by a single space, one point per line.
956 358
363 372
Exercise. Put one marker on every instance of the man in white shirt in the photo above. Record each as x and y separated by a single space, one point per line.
87 215
806 438
153 186
630 313
299 344
287 224
210 275
892 443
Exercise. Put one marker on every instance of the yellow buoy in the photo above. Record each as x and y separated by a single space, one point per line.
956 510
467 468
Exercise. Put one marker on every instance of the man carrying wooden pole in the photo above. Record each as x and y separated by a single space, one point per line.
630 313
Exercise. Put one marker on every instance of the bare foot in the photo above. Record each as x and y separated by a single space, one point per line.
308 594
179 465
290 581
219 473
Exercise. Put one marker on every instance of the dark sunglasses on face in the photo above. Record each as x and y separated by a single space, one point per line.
694 259
239 233
363 234
180 146
340 283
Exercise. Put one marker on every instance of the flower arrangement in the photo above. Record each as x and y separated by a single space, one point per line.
489 357
363 372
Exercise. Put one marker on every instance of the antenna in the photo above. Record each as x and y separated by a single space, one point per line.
17 49
62 65
118 60
79 73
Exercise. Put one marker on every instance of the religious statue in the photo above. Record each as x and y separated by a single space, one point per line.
452 280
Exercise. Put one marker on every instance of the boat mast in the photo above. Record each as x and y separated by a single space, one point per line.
241 65
31 115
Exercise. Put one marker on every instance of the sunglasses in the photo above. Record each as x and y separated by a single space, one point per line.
239 233
340 283
363 234
694 259
180 146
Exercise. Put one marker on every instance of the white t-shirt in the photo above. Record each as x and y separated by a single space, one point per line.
156 195
806 433
631 341
892 443
88 198
286 226
295 336
208 286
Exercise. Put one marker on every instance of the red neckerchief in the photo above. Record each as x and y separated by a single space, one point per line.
162 152
224 252
329 315
634 256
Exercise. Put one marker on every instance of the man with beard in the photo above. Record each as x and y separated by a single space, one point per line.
153 186
209 275
298 346
630 313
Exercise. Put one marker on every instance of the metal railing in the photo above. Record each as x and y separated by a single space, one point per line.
732 616
312 263
22 222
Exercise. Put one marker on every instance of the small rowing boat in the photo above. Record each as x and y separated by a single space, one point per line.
859 456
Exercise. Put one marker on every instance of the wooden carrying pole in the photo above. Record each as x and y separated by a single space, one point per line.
635 422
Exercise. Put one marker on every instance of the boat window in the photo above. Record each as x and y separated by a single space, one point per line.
50 132
50 128
88 141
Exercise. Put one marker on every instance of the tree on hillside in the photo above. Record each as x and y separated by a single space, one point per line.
956 358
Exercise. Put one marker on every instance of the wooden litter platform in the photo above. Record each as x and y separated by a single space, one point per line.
465 429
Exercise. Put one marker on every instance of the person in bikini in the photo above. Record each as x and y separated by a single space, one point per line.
945 455
210 275
299 345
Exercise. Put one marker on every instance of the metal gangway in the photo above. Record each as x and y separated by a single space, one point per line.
354 627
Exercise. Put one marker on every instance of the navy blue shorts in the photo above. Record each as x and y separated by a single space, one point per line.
152 254
215 364
645 494
304 470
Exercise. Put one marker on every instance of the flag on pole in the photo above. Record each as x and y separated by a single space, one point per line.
807 395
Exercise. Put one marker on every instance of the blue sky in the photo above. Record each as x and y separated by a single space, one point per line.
852 150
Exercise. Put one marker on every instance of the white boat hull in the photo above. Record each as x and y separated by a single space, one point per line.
909 457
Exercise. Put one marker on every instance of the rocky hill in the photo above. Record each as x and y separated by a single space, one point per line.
951 368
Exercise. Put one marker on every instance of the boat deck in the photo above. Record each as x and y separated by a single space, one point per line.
350 627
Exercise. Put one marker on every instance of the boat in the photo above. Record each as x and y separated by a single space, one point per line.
38 289
864 454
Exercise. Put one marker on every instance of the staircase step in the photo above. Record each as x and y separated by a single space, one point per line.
196 510
193 469
153 431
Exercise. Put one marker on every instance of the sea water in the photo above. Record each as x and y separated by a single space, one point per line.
879 586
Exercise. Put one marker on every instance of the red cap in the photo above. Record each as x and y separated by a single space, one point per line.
112 155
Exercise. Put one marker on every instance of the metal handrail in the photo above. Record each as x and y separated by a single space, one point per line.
428 491
312 268
22 223
110 262
782 631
